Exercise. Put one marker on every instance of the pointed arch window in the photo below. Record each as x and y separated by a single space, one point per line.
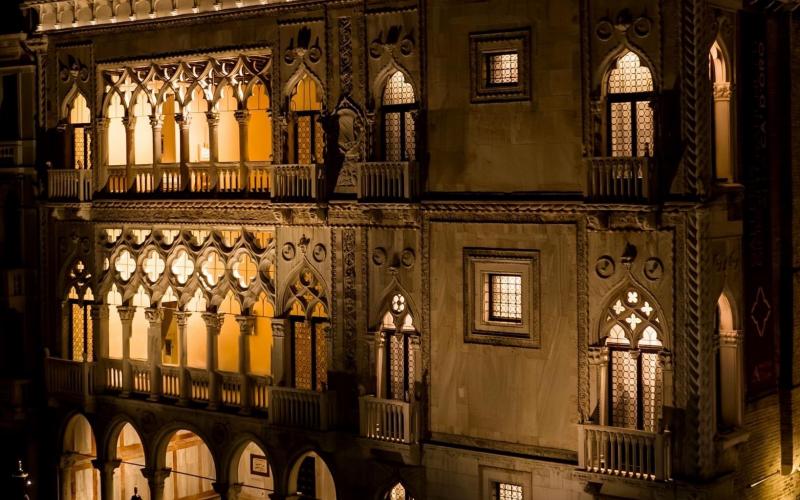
80 122
79 319
398 108
310 325
398 492
633 327
722 116
631 124
306 135
397 332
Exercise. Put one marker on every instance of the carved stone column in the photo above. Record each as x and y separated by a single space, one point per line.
246 324
281 361
100 164
156 123
213 324
723 131
100 333
155 480
183 121
129 122
106 469
380 364
68 460
181 319
598 383
154 317
213 148
126 318
243 117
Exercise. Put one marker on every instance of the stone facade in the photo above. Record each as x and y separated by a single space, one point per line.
281 222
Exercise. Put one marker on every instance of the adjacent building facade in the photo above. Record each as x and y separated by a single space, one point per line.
473 249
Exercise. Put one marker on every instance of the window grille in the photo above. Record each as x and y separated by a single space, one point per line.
507 491
308 144
303 360
81 147
502 69
503 297
397 330
398 119
633 327
81 335
309 323
398 493
630 113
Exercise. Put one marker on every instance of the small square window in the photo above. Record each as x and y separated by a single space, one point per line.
507 491
503 297
499 65
503 69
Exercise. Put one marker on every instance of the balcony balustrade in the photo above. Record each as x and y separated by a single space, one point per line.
231 389
171 381
69 184
624 452
113 374
386 181
621 179
140 373
297 182
387 420
199 381
301 408
259 395
69 379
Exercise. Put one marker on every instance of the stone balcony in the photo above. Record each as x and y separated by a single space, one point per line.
79 382
387 420
621 179
387 181
622 452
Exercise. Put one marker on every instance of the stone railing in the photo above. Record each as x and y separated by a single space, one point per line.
170 177
386 419
117 181
259 172
624 452
69 378
143 178
140 374
301 408
231 388
380 181
199 381
259 391
171 381
113 374
621 178
69 184
228 178
296 182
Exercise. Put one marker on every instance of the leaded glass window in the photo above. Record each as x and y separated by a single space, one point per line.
503 297
633 327
307 134
309 339
502 68
507 491
80 120
631 122
81 334
399 103
398 492
397 331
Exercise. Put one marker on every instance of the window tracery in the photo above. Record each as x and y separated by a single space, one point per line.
310 327
631 125
398 108
397 331
398 492
79 302
306 135
633 327
80 118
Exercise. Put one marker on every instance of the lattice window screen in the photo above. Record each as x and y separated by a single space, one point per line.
410 137
503 69
506 491
321 357
651 390
621 133
505 297
302 355
397 366
304 140
624 380
78 322
392 134
644 128
319 144
629 76
398 91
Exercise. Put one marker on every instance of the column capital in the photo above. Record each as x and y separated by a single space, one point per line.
723 90
183 120
246 324
156 121
598 355
665 360
212 320
106 466
242 115
212 118
279 326
129 121
154 315
730 338
102 123
126 312
156 476
181 317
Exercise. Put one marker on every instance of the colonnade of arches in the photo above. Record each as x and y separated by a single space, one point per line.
178 464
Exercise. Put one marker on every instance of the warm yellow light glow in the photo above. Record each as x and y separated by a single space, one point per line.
259 131
261 340
228 345
228 128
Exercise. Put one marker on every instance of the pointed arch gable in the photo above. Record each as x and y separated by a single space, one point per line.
301 71
288 296
600 77
385 304
383 76
69 101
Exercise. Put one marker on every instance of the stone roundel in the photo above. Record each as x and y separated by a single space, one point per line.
288 251
605 266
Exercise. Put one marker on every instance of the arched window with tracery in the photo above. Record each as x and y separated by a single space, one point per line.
306 135
633 335
310 326
722 117
78 314
80 119
395 352
397 111
629 94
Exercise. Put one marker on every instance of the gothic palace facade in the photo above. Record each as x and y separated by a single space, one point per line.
428 249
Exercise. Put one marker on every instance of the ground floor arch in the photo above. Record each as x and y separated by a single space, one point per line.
311 477
128 476
192 468
79 479
253 472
